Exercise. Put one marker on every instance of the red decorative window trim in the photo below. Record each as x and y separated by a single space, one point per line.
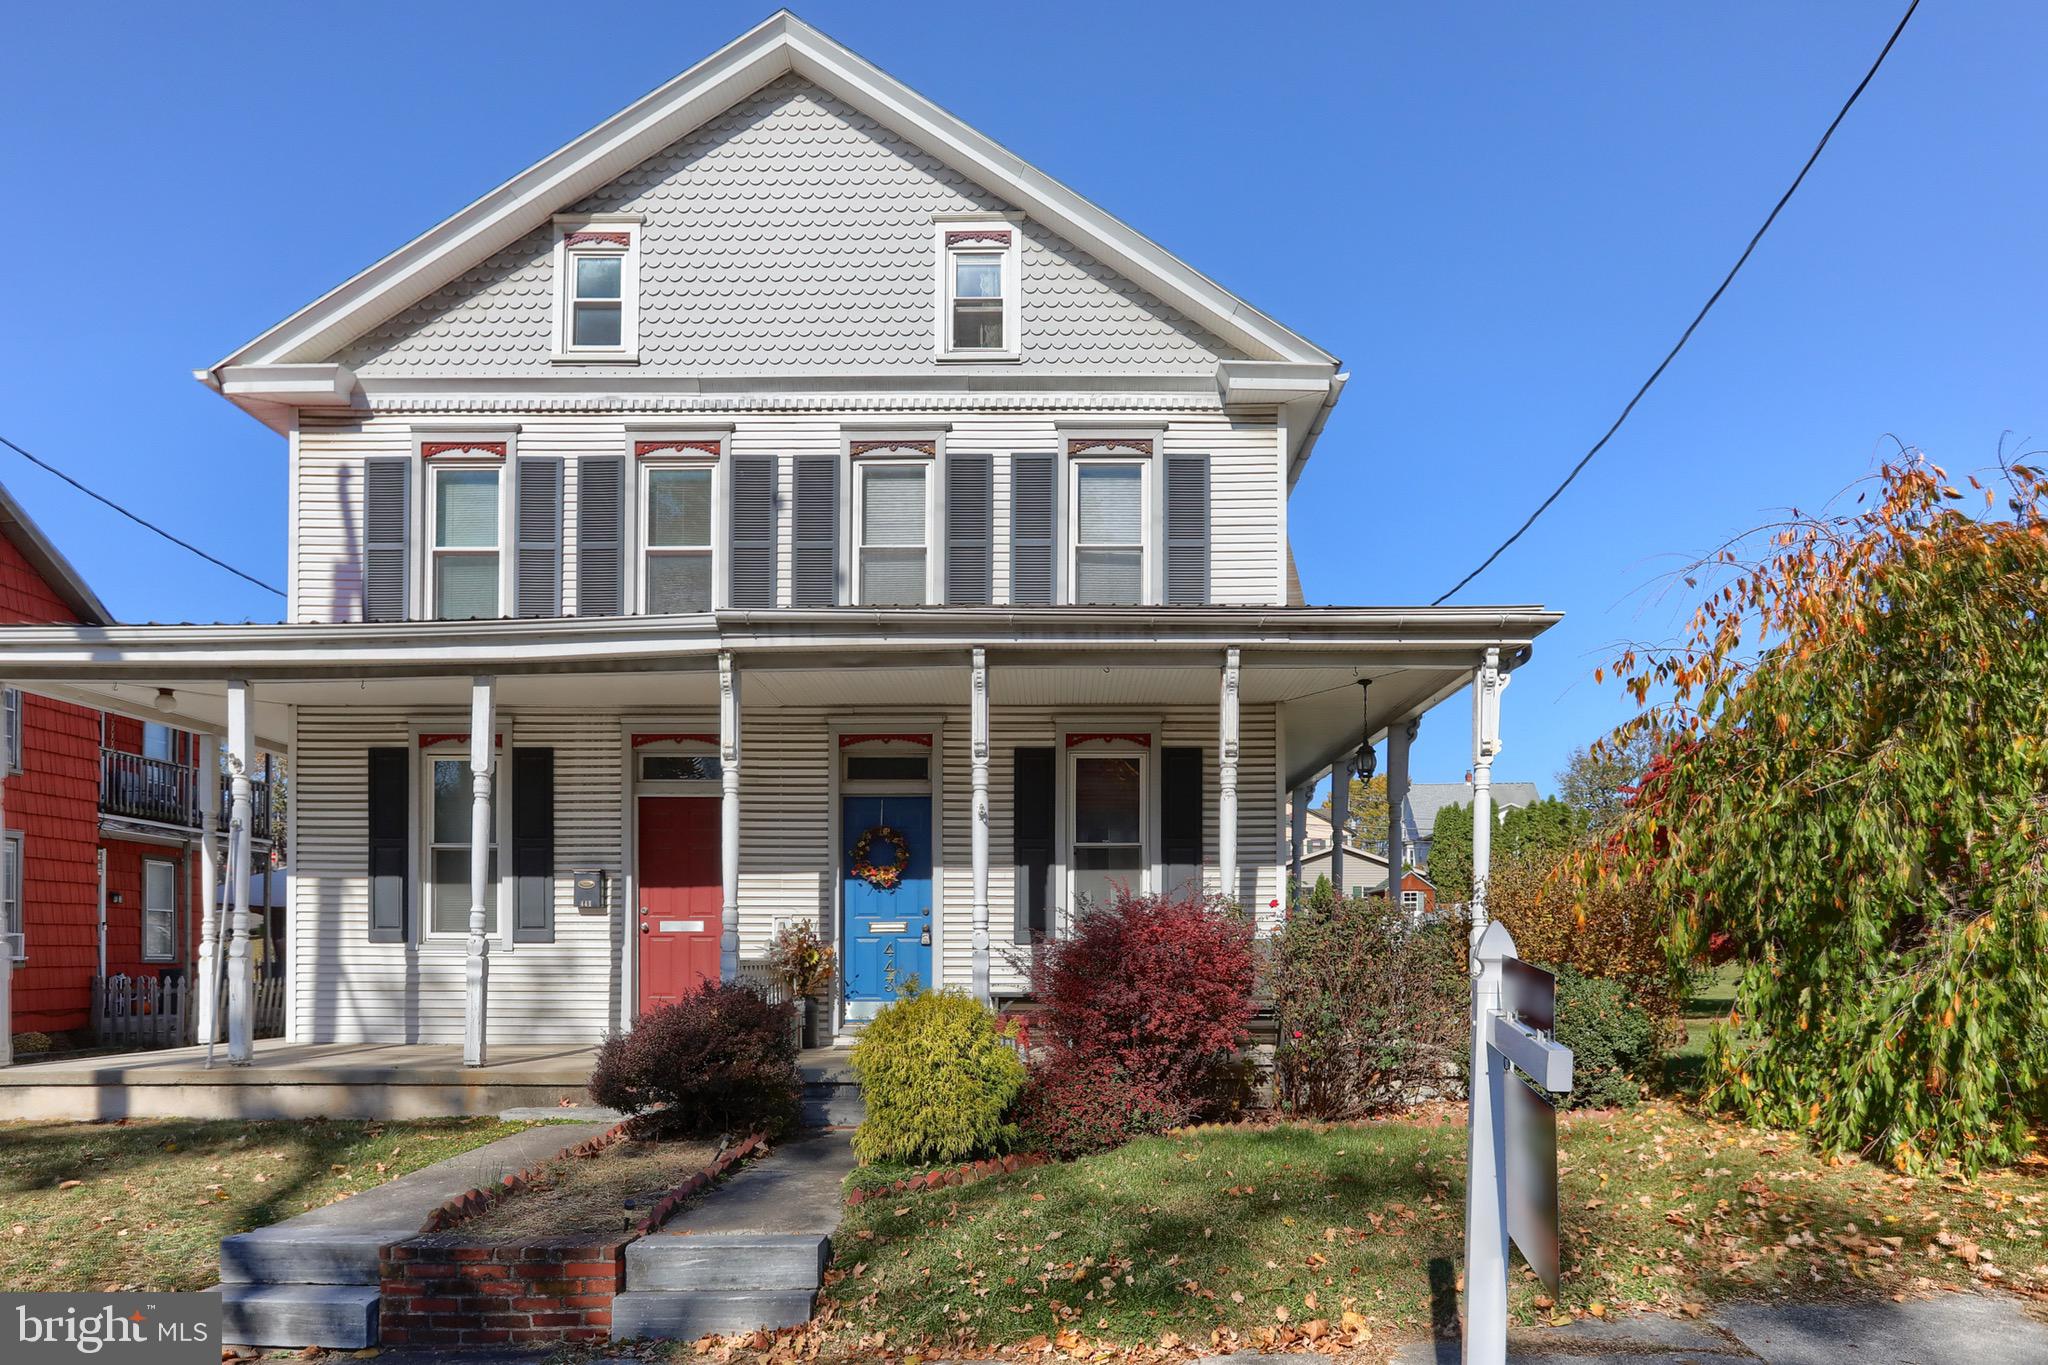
639 741
495 449
930 448
1082 445
993 236
599 239
429 741
1142 741
848 741
705 446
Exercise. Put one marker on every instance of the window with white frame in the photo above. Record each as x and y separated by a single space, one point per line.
1109 540
12 723
677 537
1109 815
977 291
450 809
894 517
1411 901
597 285
11 925
467 537
159 910
158 742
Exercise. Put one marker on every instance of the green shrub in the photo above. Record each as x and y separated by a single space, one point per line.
938 1079
721 1060
1613 1040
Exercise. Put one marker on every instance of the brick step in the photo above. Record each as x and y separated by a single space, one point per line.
671 1316
338 1317
282 1254
727 1261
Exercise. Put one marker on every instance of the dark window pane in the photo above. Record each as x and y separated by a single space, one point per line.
680 768
1106 801
887 768
978 325
597 324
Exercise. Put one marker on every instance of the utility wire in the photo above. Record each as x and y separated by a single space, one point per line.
139 521
1706 308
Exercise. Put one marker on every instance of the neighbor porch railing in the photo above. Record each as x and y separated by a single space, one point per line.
167 793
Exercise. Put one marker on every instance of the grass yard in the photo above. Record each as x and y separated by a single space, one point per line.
1271 1236
1709 1004
143 1204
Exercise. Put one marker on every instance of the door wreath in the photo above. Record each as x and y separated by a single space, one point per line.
887 873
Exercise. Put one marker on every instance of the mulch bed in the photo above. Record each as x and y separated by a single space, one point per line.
597 1195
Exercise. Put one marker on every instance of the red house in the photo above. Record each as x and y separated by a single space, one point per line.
103 828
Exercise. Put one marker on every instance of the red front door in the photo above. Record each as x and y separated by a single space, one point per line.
680 897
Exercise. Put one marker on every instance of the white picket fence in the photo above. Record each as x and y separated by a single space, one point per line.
140 1011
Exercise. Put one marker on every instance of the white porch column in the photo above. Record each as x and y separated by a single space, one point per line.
978 756
1400 735
208 968
1226 775
1486 688
729 816
476 972
1298 834
241 983
1340 816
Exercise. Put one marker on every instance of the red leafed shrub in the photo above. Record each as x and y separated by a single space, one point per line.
721 1060
1142 1011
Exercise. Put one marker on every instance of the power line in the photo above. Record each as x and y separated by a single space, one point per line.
1706 308
139 521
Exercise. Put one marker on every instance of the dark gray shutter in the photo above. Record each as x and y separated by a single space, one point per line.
1181 785
1031 529
814 546
1187 530
970 530
389 845
387 519
537 569
752 574
533 845
601 536
1032 821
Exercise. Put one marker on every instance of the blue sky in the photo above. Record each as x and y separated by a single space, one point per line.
1498 215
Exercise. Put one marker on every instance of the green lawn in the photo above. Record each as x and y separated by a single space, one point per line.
1709 1004
1266 1235
153 1197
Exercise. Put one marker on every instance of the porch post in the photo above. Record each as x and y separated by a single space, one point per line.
241 724
978 756
476 959
1400 736
1226 775
208 968
1487 683
1298 834
729 816
1340 816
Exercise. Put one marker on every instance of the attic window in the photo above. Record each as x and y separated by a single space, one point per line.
977 291
597 288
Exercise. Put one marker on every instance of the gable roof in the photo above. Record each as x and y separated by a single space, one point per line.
70 586
781 44
1425 799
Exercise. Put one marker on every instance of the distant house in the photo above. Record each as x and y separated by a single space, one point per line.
1426 799
1365 873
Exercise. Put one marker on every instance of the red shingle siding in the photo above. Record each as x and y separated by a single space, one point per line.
54 801
24 596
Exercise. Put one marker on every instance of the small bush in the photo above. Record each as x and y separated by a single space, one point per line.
1145 1002
1371 1009
1076 1104
1611 930
938 1080
1612 1037
722 1060
801 960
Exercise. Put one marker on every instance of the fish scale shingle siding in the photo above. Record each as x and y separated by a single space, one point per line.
790 234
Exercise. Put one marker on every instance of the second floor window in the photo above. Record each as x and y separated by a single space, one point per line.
467 527
678 539
1109 533
894 530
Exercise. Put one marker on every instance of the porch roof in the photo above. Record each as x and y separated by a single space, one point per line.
1305 658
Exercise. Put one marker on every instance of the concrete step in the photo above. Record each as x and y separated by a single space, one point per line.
731 1261
670 1316
832 1104
341 1317
284 1254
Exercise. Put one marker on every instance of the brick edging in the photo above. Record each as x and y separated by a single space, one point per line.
965 1174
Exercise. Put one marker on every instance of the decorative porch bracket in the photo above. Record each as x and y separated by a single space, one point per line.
1487 684
1226 775
978 757
241 968
729 816
207 846
476 955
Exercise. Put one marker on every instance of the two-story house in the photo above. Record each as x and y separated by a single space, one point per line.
781 503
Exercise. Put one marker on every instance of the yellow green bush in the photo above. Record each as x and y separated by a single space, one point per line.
938 1079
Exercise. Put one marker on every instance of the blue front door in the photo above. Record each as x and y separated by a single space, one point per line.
888 930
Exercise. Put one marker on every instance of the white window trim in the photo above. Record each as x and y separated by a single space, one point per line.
428 607
642 541
673 786
565 350
147 910
934 548
17 892
942 286
457 747
10 723
1152 870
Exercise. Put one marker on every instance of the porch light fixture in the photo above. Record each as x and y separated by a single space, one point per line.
166 700
1367 762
